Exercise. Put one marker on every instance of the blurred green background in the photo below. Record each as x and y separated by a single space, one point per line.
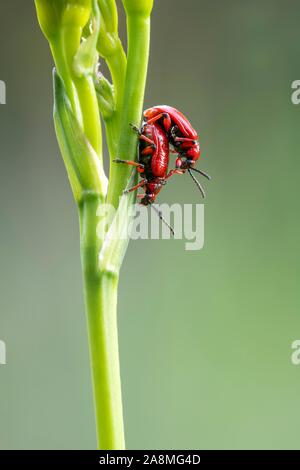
205 337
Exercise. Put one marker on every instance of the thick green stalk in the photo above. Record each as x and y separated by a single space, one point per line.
101 290
117 66
138 27
101 306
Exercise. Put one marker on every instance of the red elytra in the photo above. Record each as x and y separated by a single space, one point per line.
181 134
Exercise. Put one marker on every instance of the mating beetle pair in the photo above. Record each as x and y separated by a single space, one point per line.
164 126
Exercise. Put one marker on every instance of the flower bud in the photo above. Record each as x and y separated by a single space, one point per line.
86 58
76 12
105 96
138 7
53 14
108 37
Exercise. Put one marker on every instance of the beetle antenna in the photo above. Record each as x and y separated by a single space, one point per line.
201 173
197 183
163 219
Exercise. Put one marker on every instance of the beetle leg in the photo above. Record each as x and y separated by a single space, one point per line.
148 151
185 139
174 172
139 166
142 136
134 188
149 141
167 122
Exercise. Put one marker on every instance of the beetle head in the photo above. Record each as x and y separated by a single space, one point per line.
193 153
184 164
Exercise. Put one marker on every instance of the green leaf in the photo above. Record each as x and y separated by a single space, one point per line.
82 163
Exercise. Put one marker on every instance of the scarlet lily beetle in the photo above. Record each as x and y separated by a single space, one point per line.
182 136
152 164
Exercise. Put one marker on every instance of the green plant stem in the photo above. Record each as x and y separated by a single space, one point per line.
101 286
117 65
62 69
101 261
85 90
138 28
90 112
101 306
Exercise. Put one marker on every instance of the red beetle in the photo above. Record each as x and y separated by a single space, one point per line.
181 135
152 165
